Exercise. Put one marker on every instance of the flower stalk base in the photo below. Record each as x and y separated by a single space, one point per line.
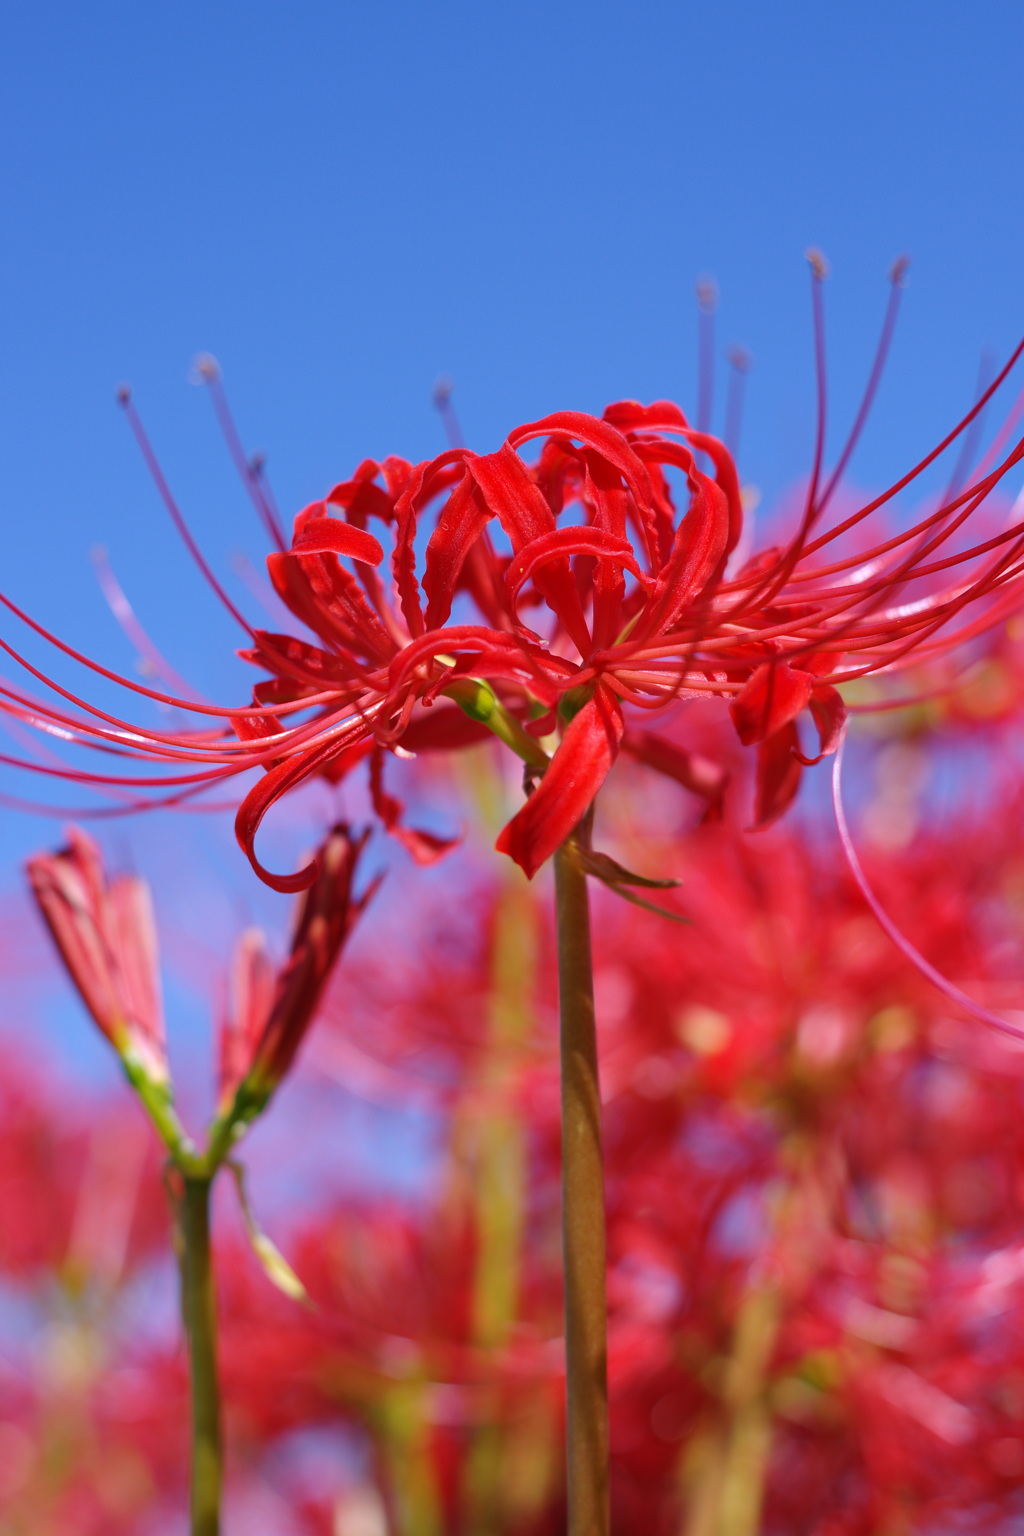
583 1213
199 1306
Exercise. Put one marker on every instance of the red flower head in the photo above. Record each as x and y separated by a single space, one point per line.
104 932
270 1013
642 610
560 600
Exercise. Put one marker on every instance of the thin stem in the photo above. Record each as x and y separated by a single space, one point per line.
583 1215
201 1321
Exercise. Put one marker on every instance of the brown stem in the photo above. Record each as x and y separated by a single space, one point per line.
583 1217
201 1322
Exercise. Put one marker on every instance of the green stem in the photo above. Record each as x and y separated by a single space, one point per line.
478 700
199 1305
583 1215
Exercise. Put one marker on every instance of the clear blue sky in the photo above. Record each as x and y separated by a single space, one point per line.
344 201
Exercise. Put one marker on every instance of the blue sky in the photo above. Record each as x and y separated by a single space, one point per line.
344 201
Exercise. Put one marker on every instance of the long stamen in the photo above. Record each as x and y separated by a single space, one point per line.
125 615
969 447
897 277
885 921
442 397
707 303
775 579
249 470
159 479
740 364
819 272
922 464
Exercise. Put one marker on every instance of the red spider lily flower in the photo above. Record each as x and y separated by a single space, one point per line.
578 592
104 932
270 1012
643 609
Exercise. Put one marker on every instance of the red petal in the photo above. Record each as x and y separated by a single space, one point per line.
568 541
631 416
699 544
520 507
327 597
774 695
252 993
420 485
361 498
261 797
578 769
425 847
727 478
443 727
329 535
592 433
778 775
699 774
829 714
460 524
339 767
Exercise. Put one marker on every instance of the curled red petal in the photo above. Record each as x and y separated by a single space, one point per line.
774 695
329 535
425 847
462 520
829 714
631 416
569 541
325 596
778 775
578 769
698 548
592 433
262 796
419 485
361 498
519 505
727 478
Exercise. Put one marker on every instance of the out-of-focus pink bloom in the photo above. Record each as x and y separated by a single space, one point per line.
105 934
271 1012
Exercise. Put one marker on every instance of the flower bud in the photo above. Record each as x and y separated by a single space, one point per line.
105 935
270 1015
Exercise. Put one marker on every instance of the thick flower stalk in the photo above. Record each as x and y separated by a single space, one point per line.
104 932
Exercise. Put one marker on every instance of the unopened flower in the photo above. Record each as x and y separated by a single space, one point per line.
104 932
271 1011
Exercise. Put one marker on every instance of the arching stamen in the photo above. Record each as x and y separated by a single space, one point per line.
124 398
819 272
707 303
897 276
740 364
123 612
107 812
249 470
885 921
773 581
442 398
969 447
922 464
